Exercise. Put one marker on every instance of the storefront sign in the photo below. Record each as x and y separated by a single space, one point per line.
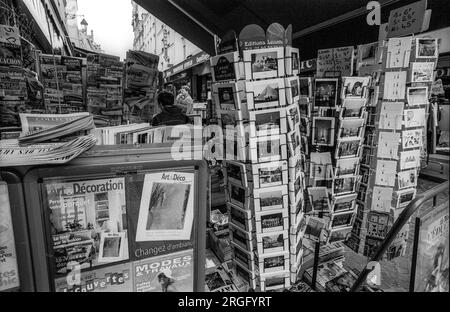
9 276
188 63
407 19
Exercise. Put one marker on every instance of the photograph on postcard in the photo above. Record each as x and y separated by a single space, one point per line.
325 92
267 122
427 48
343 185
354 87
318 197
167 207
352 108
343 203
270 198
270 174
265 93
407 178
417 96
351 128
348 148
323 131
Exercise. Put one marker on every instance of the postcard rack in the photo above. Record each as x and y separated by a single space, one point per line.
396 142
257 99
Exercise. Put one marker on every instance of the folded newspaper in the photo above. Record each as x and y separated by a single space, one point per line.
55 128
13 154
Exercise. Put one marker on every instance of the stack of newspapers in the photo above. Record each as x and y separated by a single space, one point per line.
48 139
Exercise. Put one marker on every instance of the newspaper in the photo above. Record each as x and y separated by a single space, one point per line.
72 127
13 154
34 122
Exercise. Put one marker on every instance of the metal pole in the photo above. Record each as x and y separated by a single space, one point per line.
412 279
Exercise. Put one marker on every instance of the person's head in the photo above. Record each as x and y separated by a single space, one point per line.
165 99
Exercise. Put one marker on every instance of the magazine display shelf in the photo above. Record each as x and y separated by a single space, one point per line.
134 167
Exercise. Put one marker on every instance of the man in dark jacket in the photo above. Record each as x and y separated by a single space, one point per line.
170 114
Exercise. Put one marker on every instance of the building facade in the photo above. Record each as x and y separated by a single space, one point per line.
153 36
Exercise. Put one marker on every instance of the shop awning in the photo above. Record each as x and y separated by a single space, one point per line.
316 24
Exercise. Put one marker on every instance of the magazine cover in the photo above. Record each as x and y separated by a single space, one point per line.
167 207
169 273
115 278
432 256
88 222
10 52
9 275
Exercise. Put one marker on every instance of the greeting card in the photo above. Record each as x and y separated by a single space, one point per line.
399 50
415 118
391 116
395 85
422 72
386 173
381 198
388 145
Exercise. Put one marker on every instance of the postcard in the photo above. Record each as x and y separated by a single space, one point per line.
343 185
326 92
407 178
364 172
314 227
274 263
388 143
381 198
339 235
412 138
292 61
367 54
351 128
271 198
415 117
352 108
305 107
342 220
385 173
427 48
318 197
227 67
111 247
354 87
305 87
267 122
229 96
323 131
294 142
304 126
404 197
167 207
304 144
399 50
272 221
395 85
422 71
236 172
270 174
264 63
348 148
321 167
410 159
343 203
391 115
238 195
292 116
273 242
265 93
417 96
268 148
347 166
292 85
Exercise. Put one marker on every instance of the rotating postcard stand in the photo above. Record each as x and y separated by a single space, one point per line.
106 220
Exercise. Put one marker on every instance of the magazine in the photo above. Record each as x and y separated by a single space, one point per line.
88 222
167 207
433 262
115 278
168 273
9 274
